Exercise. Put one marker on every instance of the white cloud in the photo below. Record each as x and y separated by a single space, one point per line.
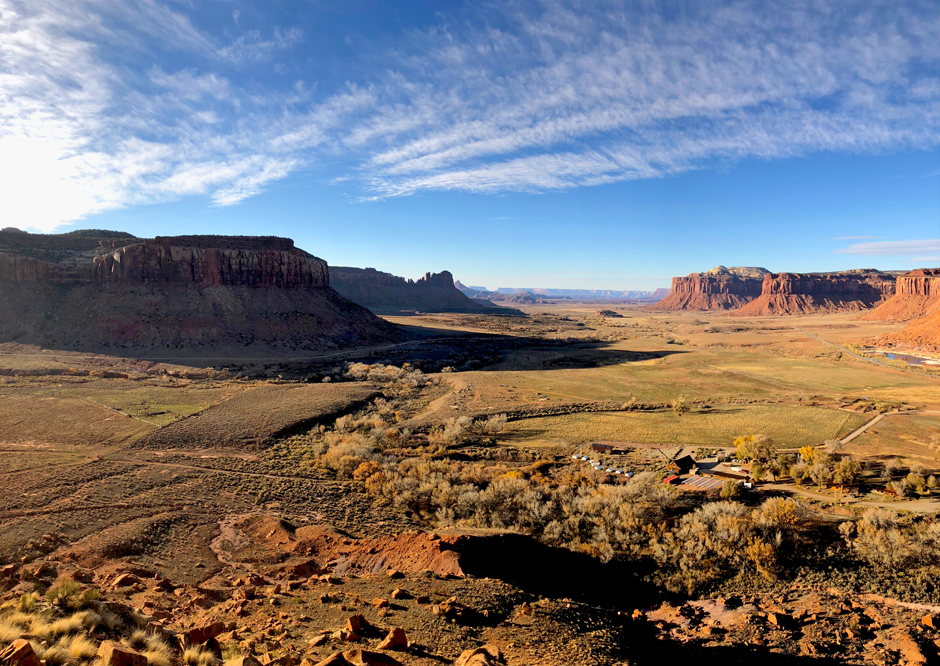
252 46
527 97
919 250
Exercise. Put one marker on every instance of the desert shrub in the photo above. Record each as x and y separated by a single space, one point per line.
706 545
720 539
27 602
64 593
492 425
778 512
731 490
878 539
892 469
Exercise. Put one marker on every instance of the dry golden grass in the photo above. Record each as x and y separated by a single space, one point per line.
70 421
256 414
153 647
195 656
79 647
9 631
914 438
787 425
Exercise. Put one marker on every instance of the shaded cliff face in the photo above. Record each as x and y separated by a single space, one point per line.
803 293
166 263
701 291
228 293
384 292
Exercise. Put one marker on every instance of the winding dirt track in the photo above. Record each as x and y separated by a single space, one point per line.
917 506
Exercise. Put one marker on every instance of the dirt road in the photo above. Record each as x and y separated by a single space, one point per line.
917 505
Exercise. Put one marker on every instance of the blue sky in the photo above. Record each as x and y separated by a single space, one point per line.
556 144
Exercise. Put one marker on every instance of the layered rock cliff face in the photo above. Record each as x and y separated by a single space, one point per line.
916 300
232 294
804 293
167 261
387 293
719 289
917 294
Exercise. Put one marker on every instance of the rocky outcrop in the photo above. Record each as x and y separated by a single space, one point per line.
387 293
916 300
804 293
719 289
916 295
234 293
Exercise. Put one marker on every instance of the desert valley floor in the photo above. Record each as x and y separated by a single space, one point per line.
296 507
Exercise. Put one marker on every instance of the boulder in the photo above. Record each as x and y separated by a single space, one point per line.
199 635
112 653
356 623
396 640
485 655
19 653
125 580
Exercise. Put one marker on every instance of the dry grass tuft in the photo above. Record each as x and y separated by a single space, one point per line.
158 653
195 656
9 631
80 648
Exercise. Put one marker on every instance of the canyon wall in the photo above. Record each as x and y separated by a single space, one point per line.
235 293
719 289
917 294
917 301
805 293
163 261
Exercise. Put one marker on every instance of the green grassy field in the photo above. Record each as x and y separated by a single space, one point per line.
789 426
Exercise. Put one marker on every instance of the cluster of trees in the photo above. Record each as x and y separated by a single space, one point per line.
822 465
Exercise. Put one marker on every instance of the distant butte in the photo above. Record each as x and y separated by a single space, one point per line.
757 292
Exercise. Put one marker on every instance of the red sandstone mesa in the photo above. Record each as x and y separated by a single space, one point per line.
719 289
804 293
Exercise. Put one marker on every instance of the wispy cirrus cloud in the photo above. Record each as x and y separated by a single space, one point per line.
109 104
918 251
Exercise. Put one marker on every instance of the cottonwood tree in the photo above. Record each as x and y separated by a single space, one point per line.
754 447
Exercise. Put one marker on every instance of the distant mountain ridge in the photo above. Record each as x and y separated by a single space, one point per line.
534 294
